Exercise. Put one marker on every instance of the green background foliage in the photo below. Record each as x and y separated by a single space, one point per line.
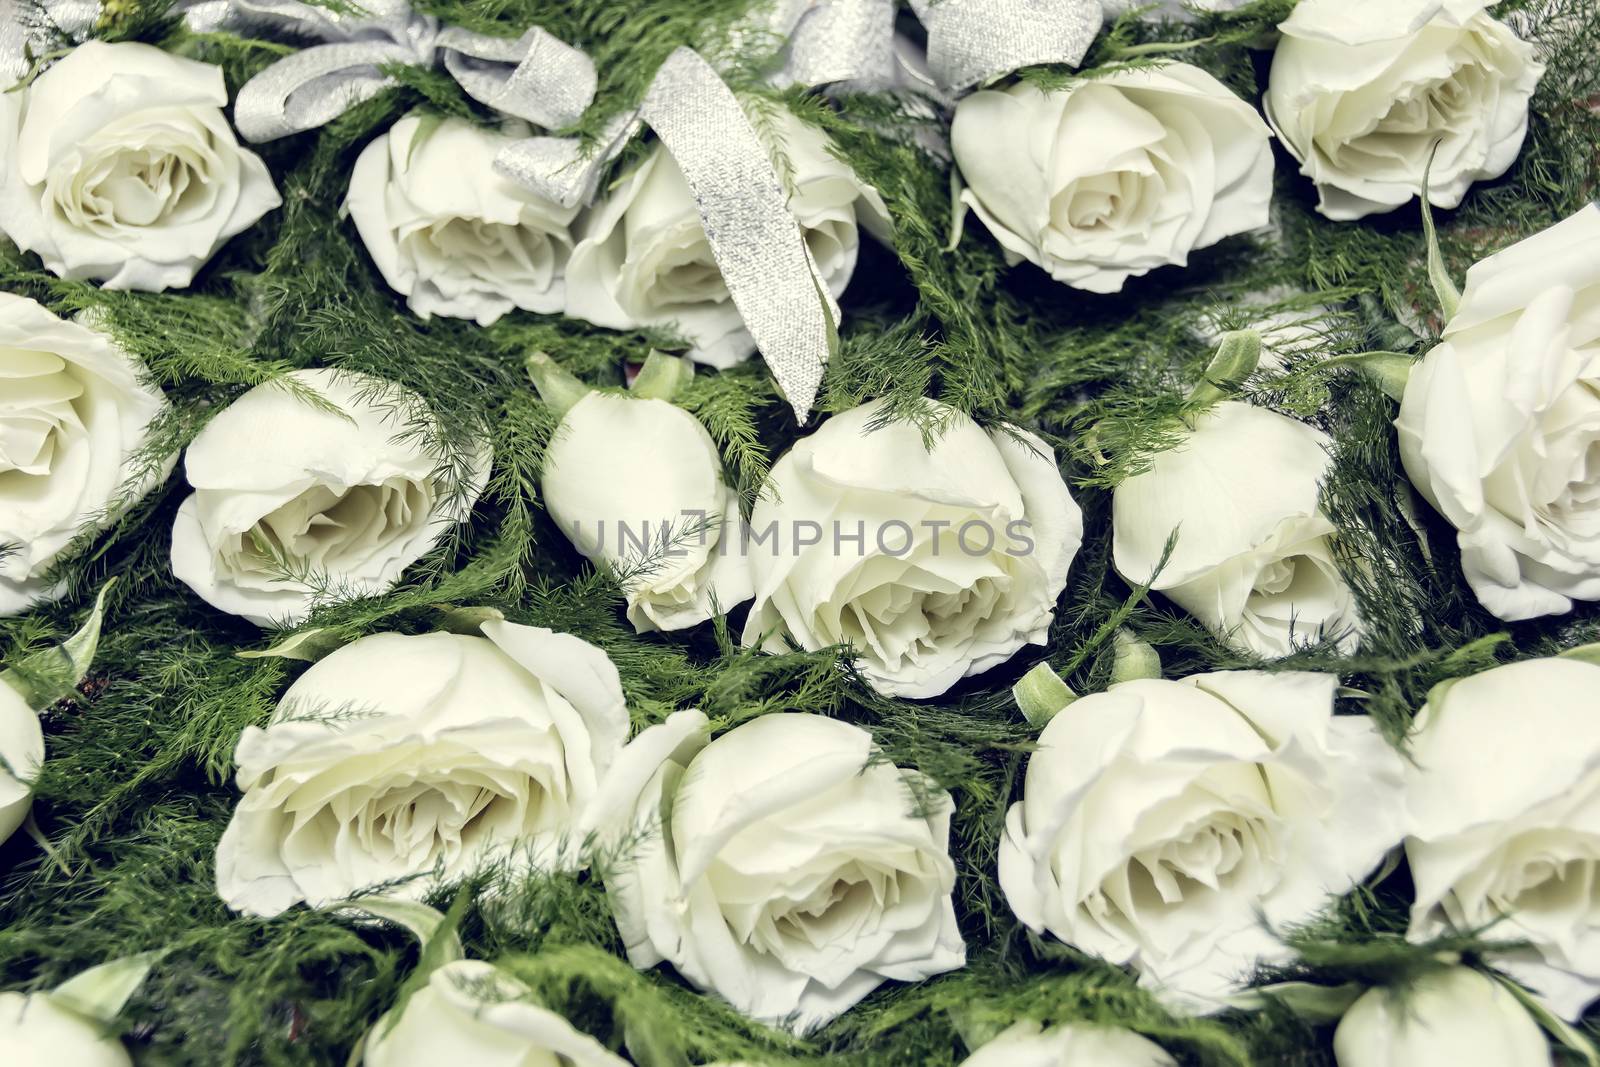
137 787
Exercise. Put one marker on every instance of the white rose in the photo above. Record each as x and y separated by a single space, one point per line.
21 757
638 483
1504 792
1253 559
37 1031
475 1014
451 234
1160 821
780 865
403 756
1027 1044
1116 175
1447 1018
74 416
292 497
1500 424
934 564
1362 91
643 258
119 166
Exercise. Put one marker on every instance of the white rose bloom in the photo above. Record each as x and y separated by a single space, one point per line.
934 565
1362 91
1451 1017
451 234
780 865
1027 1044
638 483
37 1031
475 1014
1160 821
399 757
21 757
119 166
1116 175
73 417
1504 792
1500 424
291 497
643 258
1253 559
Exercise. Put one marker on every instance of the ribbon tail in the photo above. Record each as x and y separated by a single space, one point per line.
551 83
314 86
755 240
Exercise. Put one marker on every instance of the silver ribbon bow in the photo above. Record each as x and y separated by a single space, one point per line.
534 77
28 30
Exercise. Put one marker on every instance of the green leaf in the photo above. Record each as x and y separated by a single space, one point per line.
54 673
427 123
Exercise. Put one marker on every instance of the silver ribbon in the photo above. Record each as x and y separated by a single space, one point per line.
534 77
969 41
30 29
972 41
758 245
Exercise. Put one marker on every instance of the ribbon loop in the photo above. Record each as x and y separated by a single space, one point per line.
834 41
973 41
314 87
534 77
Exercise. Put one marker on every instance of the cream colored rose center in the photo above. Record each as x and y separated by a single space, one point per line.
1218 837
154 168
439 805
490 251
41 409
324 530
1538 874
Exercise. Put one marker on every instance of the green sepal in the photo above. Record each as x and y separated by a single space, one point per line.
661 376
1133 659
1041 693
1238 356
307 646
1390 371
100 993
558 387
1444 287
